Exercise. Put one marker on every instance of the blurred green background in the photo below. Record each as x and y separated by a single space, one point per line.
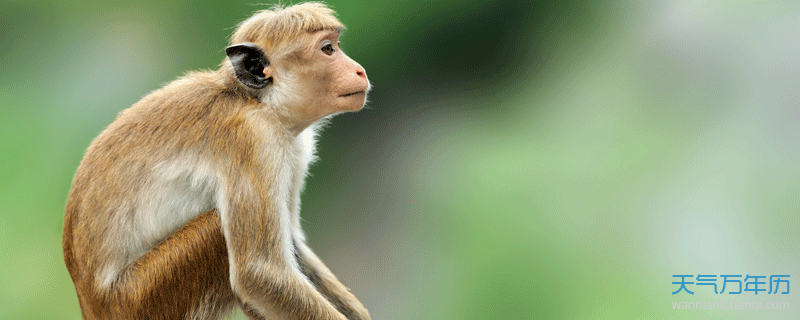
519 159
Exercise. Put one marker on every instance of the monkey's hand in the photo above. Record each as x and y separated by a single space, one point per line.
327 284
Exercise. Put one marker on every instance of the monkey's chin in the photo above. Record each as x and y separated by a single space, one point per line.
355 102
353 108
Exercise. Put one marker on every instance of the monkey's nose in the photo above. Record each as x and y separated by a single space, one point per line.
361 72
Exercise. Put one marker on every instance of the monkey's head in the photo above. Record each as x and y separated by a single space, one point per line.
291 59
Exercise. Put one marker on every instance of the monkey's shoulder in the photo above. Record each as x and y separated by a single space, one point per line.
186 113
192 94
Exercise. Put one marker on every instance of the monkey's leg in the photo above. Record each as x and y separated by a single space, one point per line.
186 274
328 284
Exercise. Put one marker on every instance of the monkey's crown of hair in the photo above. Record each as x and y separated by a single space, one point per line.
279 25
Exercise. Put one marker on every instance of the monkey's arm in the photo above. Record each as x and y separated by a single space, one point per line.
328 284
264 273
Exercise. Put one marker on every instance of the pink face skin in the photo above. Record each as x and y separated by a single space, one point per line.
326 80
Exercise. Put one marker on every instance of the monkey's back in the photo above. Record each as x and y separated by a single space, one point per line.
148 147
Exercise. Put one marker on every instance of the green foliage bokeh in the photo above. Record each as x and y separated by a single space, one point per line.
518 159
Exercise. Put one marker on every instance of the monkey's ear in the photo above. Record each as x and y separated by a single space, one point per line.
248 63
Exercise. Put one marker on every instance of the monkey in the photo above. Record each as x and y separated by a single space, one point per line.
187 204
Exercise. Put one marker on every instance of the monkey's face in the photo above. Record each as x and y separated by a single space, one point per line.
328 81
311 81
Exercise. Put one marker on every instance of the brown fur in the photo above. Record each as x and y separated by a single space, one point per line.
207 143
181 272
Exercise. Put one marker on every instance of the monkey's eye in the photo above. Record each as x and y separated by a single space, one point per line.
328 49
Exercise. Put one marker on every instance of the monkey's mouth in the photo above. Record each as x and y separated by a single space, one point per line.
352 93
